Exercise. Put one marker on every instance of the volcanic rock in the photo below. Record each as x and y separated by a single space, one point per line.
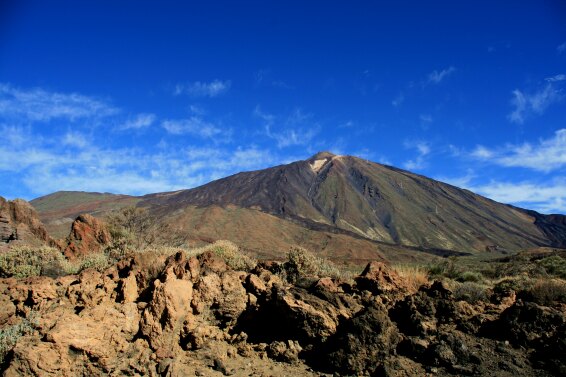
88 235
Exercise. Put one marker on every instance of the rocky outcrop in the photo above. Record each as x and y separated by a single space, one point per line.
196 316
20 223
88 235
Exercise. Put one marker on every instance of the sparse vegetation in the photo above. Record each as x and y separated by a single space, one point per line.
414 275
9 335
554 265
546 292
470 276
302 263
134 229
470 292
231 254
26 261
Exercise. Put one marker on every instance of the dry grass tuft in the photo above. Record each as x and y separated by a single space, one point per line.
303 263
547 291
234 257
415 276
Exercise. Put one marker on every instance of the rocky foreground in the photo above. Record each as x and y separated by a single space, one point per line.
196 316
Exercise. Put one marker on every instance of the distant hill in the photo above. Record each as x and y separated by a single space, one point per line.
58 210
342 206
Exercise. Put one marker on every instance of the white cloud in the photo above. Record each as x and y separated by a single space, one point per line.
546 155
527 104
482 152
138 122
197 126
398 101
547 198
562 48
203 89
426 120
15 135
420 162
435 77
40 105
556 78
40 160
45 169
295 129
462 181
74 139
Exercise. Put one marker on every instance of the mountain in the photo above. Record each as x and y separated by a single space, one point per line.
58 210
342 206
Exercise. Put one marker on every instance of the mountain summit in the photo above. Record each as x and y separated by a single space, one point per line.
355 198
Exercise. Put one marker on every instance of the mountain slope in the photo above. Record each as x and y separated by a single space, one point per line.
58 210
374 201
341 206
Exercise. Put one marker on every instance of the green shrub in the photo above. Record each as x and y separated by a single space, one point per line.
9 335
25 261
97 261
446 268
514 284
303 263
470 292
554 265
232 255
470 276
229 252
134 229
546 292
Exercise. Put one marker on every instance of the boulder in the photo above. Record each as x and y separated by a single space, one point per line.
362 343
379 278
88 235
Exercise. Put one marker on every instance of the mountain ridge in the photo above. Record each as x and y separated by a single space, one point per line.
360 198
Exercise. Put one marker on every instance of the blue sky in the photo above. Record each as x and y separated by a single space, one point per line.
137 97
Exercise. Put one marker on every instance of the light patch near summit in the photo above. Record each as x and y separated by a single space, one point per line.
316 165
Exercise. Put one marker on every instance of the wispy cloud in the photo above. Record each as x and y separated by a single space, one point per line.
46 169
73 155
140 121
546 197
527 104
263 77
398 101
423 149
556 78
40 105
297 128
562 48
203 89
463 181
436 77
75 139
195 125
425 120
546 155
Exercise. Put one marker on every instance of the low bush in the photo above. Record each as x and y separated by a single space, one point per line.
234 257
546 292
302 263
9 335
470 276
26 261
446 268
415 276
554 265
470 292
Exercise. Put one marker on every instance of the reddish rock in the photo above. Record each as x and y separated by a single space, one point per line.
379 278
19 222
88 235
